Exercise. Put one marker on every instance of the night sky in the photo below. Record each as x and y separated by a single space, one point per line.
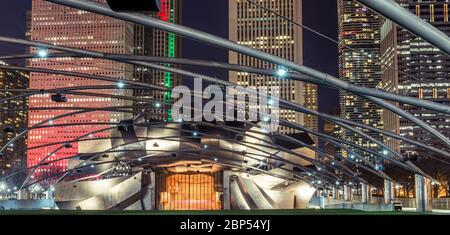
211 16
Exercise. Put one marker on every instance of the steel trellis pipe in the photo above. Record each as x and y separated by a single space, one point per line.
274 147
154 155
232 164
71 170
240 132
221 42
290 105
93 53
405 166
76 88
293 105
74 91
110 128
320 152
91 110
315 149
111 109
269 72
73 74
411 22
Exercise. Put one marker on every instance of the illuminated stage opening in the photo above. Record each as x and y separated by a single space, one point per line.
189 191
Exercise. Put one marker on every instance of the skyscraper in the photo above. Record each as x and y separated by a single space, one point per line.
13 119
158 43
413 67
359 64
70 27
142 46
252 26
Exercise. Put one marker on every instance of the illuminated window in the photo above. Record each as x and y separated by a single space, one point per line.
420 93
435 93
418 10
446 12
431 13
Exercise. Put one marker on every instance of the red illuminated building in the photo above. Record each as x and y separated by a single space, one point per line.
79 29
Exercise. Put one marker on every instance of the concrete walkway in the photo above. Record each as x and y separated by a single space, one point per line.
436 211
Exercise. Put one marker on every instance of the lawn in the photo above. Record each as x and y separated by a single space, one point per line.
225 212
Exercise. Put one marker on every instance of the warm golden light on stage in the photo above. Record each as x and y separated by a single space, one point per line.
190 191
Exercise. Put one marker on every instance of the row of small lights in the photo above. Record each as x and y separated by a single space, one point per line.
44 53
35 188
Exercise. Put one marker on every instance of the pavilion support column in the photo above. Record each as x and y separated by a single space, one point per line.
49 194
423 194
149 187
319 193
336 193
327 193
21 195
226 190
347 193
365 190
388 191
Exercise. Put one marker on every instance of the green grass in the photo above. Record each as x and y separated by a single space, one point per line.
227 212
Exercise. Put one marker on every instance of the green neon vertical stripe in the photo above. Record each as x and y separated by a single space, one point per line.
168 77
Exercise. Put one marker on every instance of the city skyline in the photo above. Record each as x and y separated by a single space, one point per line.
193 15
146 42
110 127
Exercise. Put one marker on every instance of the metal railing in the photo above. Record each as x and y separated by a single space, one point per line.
437 203
441 203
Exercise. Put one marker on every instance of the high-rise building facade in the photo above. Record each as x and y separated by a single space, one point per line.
359 64
143 47
158 43
166 44
13 119
70 27
413 67
252 26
